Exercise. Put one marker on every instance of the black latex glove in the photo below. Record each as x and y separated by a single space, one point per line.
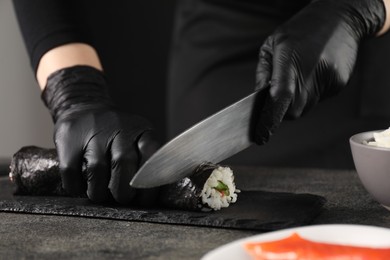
311 57
90 133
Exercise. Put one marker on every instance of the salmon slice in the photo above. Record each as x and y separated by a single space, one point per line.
295 247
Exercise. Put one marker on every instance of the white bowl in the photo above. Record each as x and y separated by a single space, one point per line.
372 164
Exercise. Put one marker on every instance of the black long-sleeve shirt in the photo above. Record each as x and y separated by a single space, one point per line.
46 24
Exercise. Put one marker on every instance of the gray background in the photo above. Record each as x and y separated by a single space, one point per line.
24 119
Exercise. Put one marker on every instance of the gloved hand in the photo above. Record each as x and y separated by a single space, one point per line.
91 132
311 57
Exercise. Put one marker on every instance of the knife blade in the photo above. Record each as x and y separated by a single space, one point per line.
212 140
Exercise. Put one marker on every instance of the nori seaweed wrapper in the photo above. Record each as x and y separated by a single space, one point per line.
35 171
186 193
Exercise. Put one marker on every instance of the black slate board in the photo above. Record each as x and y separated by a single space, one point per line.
254 210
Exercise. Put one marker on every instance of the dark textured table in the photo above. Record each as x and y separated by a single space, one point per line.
26 236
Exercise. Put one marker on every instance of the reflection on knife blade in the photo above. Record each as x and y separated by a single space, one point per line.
212 140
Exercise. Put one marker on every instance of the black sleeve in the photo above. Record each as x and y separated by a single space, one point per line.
46 24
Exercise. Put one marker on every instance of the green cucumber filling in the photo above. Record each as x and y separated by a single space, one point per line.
222 188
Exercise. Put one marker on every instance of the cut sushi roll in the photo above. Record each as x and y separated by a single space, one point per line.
220 190
35 171
211 187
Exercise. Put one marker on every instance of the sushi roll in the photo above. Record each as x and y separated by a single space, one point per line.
211 187
35 171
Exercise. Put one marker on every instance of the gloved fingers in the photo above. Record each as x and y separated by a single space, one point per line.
299 104
307 100
307 95
270 118
147 146
280 95
97 171
124 164
70 162
264 65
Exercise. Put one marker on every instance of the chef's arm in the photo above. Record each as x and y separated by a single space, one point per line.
92 137
65 56
56 35
50 28
386 25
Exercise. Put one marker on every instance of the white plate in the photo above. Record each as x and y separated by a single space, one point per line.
355 235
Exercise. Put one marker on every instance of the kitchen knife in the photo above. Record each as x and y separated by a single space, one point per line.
212 140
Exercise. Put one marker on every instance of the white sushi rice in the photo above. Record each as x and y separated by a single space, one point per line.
381 139
216 199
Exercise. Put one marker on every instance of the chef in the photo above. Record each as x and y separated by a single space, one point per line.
296 53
